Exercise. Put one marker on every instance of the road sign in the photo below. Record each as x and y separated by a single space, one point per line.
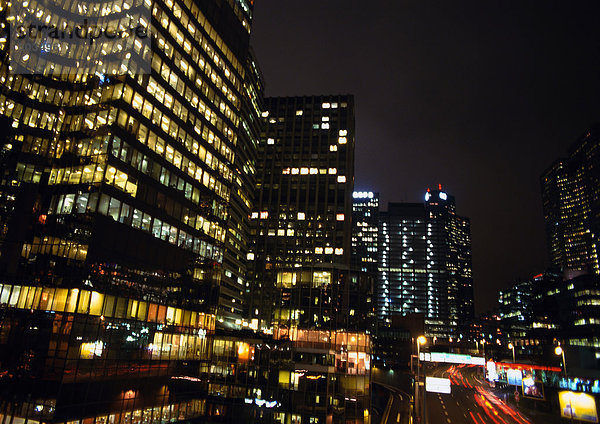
452 358
437 385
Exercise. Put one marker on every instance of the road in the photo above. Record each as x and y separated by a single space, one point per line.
470 401
392 396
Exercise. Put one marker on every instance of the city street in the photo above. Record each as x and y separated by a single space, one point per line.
470 401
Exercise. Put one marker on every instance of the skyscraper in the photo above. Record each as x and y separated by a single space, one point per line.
305 178
365 229
124 199
305 291
425 263
571 201
455 244
365 224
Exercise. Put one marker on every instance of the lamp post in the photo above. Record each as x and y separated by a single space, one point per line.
420 340
484 358
511 346
559 351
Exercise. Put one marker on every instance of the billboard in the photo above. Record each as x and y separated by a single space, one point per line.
531 388
492 375
514 377
579 406
437 385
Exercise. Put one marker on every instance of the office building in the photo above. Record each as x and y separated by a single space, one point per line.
124 199
305 292
425 264
365 224
571 202
515 309
305 179
365 229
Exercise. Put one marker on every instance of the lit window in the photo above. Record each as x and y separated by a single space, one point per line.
319 250
339 251
339 217
285 171
295 171
265 114
281 232
270 141
333 148
290 232
325 126
250 256
301 216
325 119
254 215
341 179
334 105
342 140
264 215
272 120
332 171
304 171
329 250
326 105
314 171
343 133
299 112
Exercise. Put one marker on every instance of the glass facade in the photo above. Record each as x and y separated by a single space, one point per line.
124 203
136 256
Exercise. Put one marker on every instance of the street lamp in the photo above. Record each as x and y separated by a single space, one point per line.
511 346
558 351
421 340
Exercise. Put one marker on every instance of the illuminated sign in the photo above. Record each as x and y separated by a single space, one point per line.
492 374
514 377
531 388
262 402
579 406
363 194
452 358
437 385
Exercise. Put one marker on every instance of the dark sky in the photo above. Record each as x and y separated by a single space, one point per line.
480 96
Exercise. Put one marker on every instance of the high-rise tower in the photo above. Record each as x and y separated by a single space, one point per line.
571 201
425 263
305 291
305 178
365 222
124 197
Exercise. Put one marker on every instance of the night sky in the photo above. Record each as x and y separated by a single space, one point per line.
480 96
